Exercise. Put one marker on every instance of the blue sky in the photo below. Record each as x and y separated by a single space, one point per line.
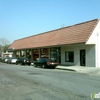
23 18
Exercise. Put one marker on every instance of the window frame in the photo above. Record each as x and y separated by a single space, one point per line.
67 56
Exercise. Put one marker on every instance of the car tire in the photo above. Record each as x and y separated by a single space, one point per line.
35 65
54 67
43 66
16 63
22 63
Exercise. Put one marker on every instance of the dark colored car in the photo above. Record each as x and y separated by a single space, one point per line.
12 60
45 62
23 61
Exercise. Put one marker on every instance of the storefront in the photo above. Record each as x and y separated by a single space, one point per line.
40 53
55 54
44 52
35 54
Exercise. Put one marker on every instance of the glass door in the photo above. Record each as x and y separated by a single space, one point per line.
82 57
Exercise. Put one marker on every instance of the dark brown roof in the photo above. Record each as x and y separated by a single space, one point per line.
78 33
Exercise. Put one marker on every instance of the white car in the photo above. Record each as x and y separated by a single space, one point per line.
12 60
4 60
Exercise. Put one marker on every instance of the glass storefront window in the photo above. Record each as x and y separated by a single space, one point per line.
55 54
69 56
44 52
35 54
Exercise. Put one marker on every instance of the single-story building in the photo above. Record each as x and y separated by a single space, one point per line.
76 45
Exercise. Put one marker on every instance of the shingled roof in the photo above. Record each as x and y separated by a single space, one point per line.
78 33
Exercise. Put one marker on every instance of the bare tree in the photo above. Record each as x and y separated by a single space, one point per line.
4 43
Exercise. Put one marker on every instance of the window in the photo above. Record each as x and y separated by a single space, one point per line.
44 52
69 56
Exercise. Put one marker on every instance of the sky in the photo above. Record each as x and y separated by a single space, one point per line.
23 18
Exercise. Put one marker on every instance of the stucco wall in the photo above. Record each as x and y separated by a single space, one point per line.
90 54
95 39
98 50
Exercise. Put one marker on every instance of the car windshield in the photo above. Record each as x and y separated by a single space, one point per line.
13 58
25 58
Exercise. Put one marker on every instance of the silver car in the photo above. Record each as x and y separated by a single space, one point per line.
11 60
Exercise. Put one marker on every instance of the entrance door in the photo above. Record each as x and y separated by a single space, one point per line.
82 57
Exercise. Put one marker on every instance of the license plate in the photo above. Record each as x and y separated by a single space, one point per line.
52 63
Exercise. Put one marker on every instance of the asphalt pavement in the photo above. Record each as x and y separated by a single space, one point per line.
19 82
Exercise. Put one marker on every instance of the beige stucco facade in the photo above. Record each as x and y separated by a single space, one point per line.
89 58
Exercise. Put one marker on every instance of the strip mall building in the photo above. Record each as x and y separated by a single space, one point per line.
76 45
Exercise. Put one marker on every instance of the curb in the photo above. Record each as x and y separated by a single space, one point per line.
66 69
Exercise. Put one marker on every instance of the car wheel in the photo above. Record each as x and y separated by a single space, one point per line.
54 67
35 65
43 66
16 63
21 63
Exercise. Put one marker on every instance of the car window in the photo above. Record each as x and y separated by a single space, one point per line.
25 58
19 58
41 60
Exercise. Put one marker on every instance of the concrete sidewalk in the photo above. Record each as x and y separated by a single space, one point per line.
81 69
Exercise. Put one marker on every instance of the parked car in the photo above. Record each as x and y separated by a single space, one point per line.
23 61
4 60
12 60
45 62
